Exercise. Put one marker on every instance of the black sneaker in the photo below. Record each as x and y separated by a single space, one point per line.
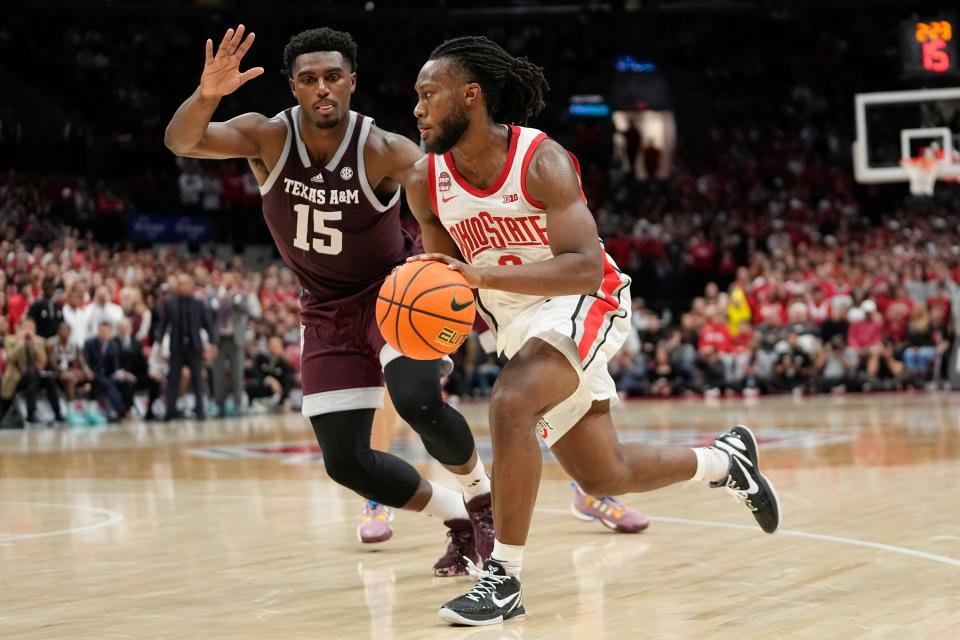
744 480
496 597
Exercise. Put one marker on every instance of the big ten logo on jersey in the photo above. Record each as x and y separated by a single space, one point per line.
320 196
450 337
443 182
484 231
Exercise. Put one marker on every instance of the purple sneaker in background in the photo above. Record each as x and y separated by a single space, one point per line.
375 523
460 549
480 511
611 513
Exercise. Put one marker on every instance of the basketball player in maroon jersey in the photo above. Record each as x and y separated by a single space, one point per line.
502 205
330 181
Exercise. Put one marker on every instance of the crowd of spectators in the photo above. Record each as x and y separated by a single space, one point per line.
861 308
88 324
815 320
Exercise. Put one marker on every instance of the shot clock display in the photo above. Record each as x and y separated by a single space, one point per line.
930 47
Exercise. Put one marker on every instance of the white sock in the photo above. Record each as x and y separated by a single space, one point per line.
445 504
475 482
712 464
509 555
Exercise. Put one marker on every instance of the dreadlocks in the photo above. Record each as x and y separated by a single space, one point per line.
513 87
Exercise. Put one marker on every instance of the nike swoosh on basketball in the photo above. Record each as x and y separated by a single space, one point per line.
447 198
752 486
506 600
457 306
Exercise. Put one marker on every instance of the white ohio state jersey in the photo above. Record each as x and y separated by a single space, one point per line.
500 225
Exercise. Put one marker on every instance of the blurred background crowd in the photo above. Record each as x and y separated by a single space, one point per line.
759 266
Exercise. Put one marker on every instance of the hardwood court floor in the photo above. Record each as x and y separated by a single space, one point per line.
231 530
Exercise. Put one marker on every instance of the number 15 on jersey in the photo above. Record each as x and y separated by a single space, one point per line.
325 240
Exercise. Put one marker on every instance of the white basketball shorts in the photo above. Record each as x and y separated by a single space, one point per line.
589 331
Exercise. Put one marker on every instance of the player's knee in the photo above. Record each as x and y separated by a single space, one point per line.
514 400
349 470
344 470
421 410
513 406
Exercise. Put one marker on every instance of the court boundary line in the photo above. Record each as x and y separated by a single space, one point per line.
113 517
856 542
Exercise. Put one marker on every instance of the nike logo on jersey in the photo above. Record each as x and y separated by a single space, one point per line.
505 601
447 198
457 306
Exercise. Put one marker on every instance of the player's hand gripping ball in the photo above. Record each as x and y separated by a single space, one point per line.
425 310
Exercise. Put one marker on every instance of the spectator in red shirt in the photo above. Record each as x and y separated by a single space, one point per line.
866 328
17 304
715 334
701 253
772 309
897 318
742 341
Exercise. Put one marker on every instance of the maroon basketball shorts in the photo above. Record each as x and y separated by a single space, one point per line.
342 355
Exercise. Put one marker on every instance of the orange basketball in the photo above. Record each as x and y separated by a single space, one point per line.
425 310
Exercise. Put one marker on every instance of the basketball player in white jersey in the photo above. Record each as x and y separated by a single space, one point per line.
502 205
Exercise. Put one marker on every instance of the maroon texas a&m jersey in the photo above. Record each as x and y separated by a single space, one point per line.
330 227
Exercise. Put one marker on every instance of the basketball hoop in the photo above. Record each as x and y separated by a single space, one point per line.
922 171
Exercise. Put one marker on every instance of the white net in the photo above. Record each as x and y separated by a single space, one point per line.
922 172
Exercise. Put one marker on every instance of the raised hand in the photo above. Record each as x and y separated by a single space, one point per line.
221 72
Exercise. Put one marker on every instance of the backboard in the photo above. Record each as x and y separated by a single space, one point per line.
894 126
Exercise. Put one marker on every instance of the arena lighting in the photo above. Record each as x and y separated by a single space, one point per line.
589 106
629 64
590 110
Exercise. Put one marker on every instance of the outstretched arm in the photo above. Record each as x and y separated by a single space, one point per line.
576 267
390 160
190 132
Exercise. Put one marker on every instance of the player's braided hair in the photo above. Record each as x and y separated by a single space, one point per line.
322 39
513 87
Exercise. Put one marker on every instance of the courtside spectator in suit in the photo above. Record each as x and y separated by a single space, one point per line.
184 316
101 354
26 360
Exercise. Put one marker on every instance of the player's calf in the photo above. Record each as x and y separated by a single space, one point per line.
611 481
